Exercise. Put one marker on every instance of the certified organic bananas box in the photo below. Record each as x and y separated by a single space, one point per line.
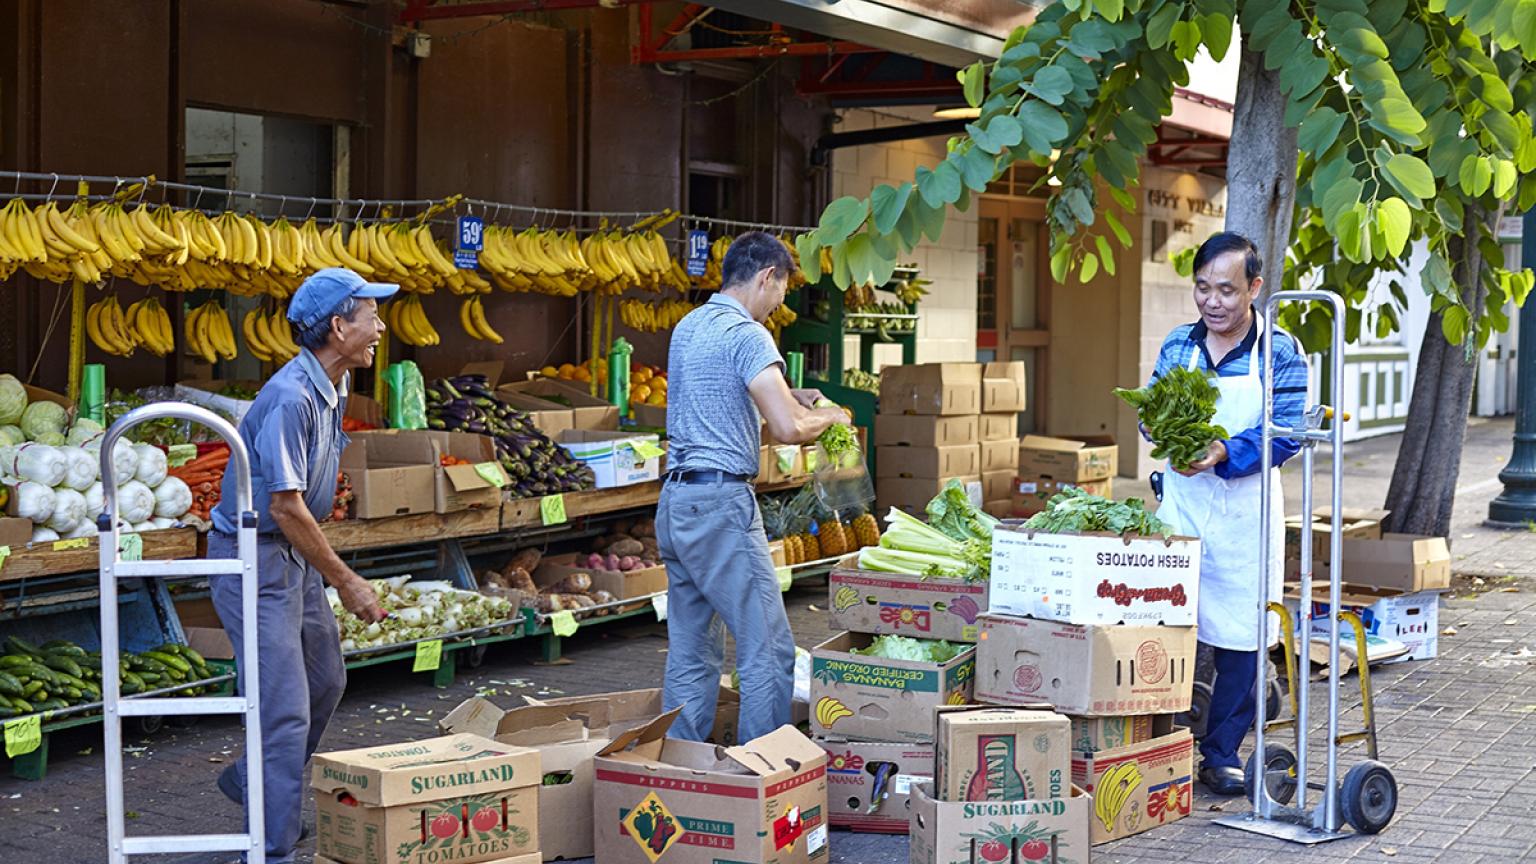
1138 787
999 832
854 695
1001 754
924 607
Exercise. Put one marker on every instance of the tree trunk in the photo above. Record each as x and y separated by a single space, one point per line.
1261 167
1423 488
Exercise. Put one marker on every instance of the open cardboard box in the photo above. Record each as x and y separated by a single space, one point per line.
987 832
587 411
1071 459
393 473
624 585
1002 387
609 714
925 607
913 494
941 389
614 457
1031 494
467 487
1411 618
868 782
880 699
1095 578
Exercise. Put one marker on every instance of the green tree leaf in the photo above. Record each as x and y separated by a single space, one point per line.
1448 211
1089 269
1319 131
1453 323
1490 88
1077 203
841 218
1504 177
1061 262
1106 254
1051 84
1042 125
931 220
977 168
1410 175
1110 9
973 80
886 205
1339 199
1476 175
1395 221
1160 26
1115 226
808 247
939 186
983 140
1349 232
1217 28
1006 130
861 259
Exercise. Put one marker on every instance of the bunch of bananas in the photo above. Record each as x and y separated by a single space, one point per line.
829 711
208 333
118 333
561 265
409 321
408 255
269 337
1113 790
651 317
472 319
780 318
710 281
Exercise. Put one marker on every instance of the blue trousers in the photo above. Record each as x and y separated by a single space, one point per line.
720 575
302 675
1232 708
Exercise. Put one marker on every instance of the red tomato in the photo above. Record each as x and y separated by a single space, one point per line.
485 819
993 850
445 826
1035 850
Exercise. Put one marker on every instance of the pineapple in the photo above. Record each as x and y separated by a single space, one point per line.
792 549
866 530
834 542
810 548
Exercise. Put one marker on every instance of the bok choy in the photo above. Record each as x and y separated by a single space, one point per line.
911 546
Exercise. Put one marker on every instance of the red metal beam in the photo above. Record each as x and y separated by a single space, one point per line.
649 49
422 10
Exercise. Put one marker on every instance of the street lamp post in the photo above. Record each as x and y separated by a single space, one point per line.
1516 505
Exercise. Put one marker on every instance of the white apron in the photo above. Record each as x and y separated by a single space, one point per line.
1224 514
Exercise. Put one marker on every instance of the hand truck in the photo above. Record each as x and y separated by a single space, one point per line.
1367 798
115 708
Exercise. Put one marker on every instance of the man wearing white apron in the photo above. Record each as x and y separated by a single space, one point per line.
1217 498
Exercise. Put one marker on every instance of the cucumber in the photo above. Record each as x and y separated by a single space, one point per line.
32 689
10 685
92 691
61 663
10 660
132 683
17 645
186 651
74 694
8 711
22 706
169 659
52 705
59 646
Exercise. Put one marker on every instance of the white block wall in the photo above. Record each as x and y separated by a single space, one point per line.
946 330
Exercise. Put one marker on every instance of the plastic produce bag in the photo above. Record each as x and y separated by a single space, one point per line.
407 396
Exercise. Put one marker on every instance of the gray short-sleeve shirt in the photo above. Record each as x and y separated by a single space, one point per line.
716 351
292 433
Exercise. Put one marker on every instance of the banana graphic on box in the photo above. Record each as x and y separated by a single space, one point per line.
1113 790
829 711
844 598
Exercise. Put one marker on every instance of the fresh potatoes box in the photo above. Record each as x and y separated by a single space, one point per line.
1096 578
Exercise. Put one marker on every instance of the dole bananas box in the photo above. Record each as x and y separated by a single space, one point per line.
925 607
683 802
1138 787
869 783
459 798
999 832
983 753
854 695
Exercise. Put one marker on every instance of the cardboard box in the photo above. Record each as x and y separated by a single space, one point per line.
1139 786
607 715
874 774
1078 458
1410 618
1088 671
1030 495
38 394
971 832
912 494
205 392
998 427
1000 509
760 802
1358 524
404 802
587 411
612 455
918 431
1001 754
548 417
625 585
1096 578
566 748
1002 387
999 456
953 461
1091 734
941 389
15 531
780 463
393 473
854 696
366 411
1406 562
649 416
925 607
467 487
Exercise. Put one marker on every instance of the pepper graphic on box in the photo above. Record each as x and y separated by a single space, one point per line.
462 827
653 827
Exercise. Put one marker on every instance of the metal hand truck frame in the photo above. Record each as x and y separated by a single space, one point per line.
1367 798
115 708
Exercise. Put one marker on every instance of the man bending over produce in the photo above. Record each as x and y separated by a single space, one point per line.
293 433
1213 488
723 373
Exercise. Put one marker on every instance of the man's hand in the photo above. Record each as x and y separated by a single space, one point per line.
1213 457
357 597
807 397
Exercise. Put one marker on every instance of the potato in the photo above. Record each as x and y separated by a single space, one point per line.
624 548
573 583
521 580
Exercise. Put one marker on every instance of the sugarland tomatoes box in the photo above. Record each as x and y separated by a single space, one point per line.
459 798
995 832
869 783
1095 578
685 802
854 695
867 601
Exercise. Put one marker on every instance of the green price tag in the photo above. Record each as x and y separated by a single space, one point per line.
786 576
491 473
659 605
647 450
23 735
5 552
786 457
810 460
178 455
131 547
563 623
75 543
552 509
429 655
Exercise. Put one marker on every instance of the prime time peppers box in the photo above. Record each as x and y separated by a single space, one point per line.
1095 578
869 782
999 832
1138 787
879 699
685 802
460 798
926 607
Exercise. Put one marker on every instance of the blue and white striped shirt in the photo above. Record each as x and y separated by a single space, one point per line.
1243 457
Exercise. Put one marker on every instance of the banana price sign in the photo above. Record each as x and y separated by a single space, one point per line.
698 252
469 240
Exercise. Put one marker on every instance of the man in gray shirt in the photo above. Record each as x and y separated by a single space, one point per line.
293 435
725 379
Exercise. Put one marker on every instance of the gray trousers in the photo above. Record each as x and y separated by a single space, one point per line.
302 675
719 572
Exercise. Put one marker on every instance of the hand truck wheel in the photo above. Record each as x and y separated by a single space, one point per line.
1199 707
1275 701
1279 773
475 656
150 724
1369 797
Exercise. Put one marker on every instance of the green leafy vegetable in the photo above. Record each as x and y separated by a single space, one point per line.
1176 411
910 546
1074 511
952 512
907 648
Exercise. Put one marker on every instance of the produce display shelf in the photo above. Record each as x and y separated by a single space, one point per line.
358 534
42 559
473 641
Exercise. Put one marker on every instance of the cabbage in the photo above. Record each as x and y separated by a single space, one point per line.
52 439
141 527
172 498
34 501
125 462
86 528
36 462
135 502
41 418
151 466
81 468
84 430
162 522
95 500
915 650
42 534
13 400
68 510
12 435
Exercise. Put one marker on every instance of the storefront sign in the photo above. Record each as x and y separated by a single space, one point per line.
698 252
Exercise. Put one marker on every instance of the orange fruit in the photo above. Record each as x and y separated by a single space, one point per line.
565 370
657 397
582 374
640 376
549 372
639 393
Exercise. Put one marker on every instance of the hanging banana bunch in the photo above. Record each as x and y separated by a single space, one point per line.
107 325
472 319
409 320
269 337
208 333
710 281
650 318
780 318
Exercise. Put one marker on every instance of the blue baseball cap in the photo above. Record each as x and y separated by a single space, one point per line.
323 291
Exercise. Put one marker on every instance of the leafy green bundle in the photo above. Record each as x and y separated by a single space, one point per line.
1176 411
906 648
1074 511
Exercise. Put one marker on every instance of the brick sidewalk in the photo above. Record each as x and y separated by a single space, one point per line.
1456 731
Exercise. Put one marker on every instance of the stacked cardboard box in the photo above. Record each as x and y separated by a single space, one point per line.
1100 628
1048 465
1002 398
926 433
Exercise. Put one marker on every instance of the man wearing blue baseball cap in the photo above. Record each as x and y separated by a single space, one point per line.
294 438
